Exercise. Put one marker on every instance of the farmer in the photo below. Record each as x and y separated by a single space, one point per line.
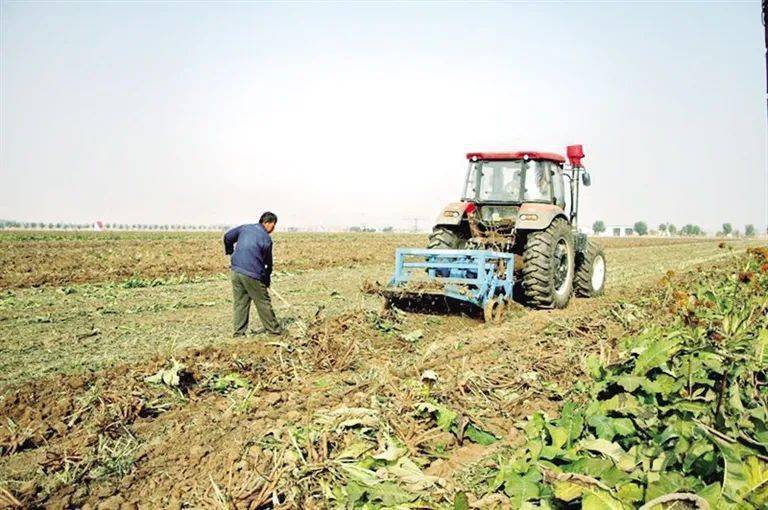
251 250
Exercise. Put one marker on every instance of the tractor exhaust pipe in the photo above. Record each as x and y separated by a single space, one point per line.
575 153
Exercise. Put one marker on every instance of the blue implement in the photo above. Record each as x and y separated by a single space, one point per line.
475 276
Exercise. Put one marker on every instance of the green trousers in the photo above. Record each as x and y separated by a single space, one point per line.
245 290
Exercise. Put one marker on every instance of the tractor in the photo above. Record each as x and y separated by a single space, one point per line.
515 226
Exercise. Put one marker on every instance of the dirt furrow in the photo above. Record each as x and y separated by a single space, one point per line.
212 436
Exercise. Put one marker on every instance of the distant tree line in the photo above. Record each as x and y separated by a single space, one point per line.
641 228
106 226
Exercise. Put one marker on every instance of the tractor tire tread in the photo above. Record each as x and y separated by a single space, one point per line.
444 238
538 284
582 281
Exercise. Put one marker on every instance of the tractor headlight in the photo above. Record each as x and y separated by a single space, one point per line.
451 214
528 217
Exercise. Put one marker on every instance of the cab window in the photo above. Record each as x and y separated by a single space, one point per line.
538 182
557 184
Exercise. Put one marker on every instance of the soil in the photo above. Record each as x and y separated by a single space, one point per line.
34 260
255 423
194 442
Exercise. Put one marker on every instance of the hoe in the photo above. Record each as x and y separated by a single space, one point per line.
514 229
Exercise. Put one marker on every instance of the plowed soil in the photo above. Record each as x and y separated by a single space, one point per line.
29 259
34 259
247 423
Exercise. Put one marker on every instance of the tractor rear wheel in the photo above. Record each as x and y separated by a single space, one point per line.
590 271
445 238
548 266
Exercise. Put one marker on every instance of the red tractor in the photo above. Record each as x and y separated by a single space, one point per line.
517 202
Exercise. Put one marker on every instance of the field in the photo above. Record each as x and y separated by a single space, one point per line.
122 387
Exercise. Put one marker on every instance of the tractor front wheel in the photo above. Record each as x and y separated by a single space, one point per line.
590 271
445 238
548 266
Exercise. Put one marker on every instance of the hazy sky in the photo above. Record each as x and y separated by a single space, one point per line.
341 113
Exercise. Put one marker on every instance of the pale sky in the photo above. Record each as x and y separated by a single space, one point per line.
340 113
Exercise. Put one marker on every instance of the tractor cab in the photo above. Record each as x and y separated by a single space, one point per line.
499 183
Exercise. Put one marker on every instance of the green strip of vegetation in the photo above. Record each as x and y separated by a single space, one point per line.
681 418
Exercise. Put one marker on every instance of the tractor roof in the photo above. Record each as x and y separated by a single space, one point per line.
505 156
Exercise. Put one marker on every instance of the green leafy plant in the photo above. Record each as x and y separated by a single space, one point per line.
448 420
228 382
681 417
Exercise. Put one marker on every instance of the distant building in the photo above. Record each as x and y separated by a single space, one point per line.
618 231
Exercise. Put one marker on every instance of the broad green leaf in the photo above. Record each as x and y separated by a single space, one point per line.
623 403
567 491
479 436
543 504
630 382
534 425
443 415
624 427
695 408
695 451
664 385
361 475
712 494
623 460
535 447
517 466
607 428
597 499
671 481
390 494
355 492
445 418
558 435
520 489
656 354
761 347
572 420
591 466
229 381
615 476
602 425
630 492
461 501
655 465
734 395
711 361
756 490
594 366
734 476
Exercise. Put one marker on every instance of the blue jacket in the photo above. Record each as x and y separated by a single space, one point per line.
251 250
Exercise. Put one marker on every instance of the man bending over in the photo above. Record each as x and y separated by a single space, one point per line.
251 249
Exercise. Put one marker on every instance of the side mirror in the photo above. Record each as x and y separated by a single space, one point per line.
586 179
